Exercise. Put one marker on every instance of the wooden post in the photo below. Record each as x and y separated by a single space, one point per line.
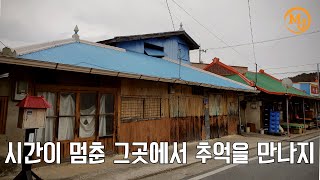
304 114
26 172
287 102
316 109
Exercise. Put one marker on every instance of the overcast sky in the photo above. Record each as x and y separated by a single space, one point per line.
24 22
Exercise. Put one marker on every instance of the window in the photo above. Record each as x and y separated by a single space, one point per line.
140 108
87 114
106 115
153 50
3 113
46 134
94 110
66 116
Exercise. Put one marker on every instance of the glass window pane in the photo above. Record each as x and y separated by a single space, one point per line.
51 99
106 125
106 103
66 128
106 121
87 126
67 104
88 103
46 134
87 108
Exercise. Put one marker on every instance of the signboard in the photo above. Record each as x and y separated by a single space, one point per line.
314 89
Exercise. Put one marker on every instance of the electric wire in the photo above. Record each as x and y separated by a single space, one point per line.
265 41
170 15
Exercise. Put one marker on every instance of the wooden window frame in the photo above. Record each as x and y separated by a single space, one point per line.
143 118
77 91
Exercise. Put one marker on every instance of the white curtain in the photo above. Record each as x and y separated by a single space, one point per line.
46 134
87 123
102 119
66 124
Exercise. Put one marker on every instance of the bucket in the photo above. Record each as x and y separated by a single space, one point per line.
261 131
247 129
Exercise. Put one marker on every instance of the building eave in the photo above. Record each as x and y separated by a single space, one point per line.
73 68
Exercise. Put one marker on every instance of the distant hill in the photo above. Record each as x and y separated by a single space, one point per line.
305 77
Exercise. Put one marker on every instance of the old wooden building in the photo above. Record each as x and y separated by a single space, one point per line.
272 97
111 94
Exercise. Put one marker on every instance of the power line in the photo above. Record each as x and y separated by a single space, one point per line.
170 14
253 49
291 72
264 41
254 52
3 44
179 20
205 27
211 33
283 67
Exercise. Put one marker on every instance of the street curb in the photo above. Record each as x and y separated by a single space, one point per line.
186 165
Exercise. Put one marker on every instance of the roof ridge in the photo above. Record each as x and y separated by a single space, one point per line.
228 67
51 44
42 46
102 45
263 72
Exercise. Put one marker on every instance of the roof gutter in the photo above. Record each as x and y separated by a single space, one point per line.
72 68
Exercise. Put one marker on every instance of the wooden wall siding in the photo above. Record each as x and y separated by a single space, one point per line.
145 131
186 129
223 104
3 113
133 87
186 106
182 114
164 130
223 111
223 126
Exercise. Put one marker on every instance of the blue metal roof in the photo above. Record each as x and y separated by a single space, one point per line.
87 55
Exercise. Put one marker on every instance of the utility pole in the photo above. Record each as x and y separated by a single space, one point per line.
200 52
304 116
287 104
179 55
317 113
256 75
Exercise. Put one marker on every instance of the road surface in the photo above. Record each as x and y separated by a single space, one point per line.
253 170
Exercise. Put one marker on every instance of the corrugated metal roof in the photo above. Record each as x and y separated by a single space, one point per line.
93 56
268 84
273 85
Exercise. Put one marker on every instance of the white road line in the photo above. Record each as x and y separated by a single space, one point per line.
234 165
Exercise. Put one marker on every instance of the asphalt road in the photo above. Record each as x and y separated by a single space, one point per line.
215 169
283 170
